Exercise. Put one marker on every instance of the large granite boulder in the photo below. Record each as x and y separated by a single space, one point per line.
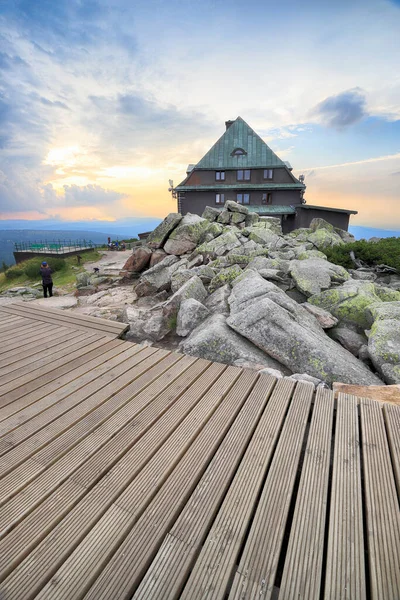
225 276
324 238
210 213
193 288
157 237
214 340
349 301
220 245
314 275
138 260
191 314
349 337
384 340
185 237
146 323
272 223
158 278
157 256
266 316
217 302
324 317
236 207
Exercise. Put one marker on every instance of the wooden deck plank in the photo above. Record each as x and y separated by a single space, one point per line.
74 396
189 454
24 410
301 577
392 419
381 503
50 341
173 395
39 333
57 313
53 442
213 568
255 575
19 332
53 550
38 369
170 568
17 388
95 360
41 318
345 569
27 364
11 323
60 317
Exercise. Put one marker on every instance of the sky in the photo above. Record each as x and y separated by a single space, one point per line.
103 101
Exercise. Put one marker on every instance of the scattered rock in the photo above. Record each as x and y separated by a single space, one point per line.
314 275
157 237
236 207
191 314
384 340
157 278
225 276
210 213
217 302
324 318
214 340
307 378
138 260
349 338
157 256
185 237
266 316
82 279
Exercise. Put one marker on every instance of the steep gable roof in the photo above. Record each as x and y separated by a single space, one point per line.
239 135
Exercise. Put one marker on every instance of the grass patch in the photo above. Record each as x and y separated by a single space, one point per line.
64 276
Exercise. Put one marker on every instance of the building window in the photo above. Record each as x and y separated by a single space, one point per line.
219 198
268 173
243 198
266 198
238 152
220 175
243 175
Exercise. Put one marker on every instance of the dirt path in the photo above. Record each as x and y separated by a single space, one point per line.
110 263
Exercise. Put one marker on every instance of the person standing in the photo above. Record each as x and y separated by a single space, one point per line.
47 281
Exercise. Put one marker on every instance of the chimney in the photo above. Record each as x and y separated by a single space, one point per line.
228 124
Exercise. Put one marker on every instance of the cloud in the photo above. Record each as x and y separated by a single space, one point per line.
357 162
90 195
342 110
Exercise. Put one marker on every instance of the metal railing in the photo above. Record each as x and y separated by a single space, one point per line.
55 246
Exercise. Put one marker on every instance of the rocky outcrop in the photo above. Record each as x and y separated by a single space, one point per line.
214 340
313 275
138 260
185 237
263 314
191 314
157 237
384 340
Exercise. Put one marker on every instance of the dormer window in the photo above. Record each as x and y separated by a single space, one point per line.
238 152
268 173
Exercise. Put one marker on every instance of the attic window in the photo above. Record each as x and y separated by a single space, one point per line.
238 152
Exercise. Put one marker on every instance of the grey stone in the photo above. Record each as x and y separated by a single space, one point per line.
185 237
324 318
220 245
251 218
224 217
214 340
237 218
217 302
82 279
138 260
157 256
273 372
349 338
179 278
191 314
157 237
146 324
362 275
193 288
225 276
349 301
314 275
324 238
384 340
267 317
158 278
236 207
307 378
210 213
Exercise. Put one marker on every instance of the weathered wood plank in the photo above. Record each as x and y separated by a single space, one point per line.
213 569
50 341
170 568
16 389
168 407
345 569
95 360
381 505
301 577
255 575
83 518
189 461
392 419
43 331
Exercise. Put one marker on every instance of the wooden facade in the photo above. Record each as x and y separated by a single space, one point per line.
241 167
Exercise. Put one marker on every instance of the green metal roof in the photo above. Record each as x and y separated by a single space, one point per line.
239 135
240 187
274 209
345 210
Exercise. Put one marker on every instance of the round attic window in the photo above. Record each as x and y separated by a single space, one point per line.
238 152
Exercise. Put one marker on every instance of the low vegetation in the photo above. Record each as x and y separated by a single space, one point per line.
64 270
386 251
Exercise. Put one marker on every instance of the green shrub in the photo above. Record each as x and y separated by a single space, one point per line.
14 272
32 266
386 251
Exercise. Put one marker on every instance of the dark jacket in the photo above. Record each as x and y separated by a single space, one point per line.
46 275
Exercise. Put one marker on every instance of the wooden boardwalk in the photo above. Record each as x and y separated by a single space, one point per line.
134 472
